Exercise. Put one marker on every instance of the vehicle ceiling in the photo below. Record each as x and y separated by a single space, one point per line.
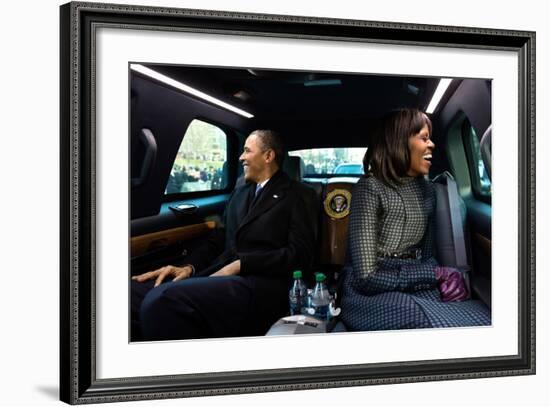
308 109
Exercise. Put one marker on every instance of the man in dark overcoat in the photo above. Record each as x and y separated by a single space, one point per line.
236 284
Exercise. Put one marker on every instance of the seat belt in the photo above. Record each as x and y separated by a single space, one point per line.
457 227
456 223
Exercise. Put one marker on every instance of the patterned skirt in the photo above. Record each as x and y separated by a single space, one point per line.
405 310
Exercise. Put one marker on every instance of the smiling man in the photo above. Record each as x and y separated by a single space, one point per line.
236 284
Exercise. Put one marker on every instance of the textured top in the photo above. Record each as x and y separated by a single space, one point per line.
391 220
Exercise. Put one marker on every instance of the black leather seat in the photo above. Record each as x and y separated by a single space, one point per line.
453 246
294 167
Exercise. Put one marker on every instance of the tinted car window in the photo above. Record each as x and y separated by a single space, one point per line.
199 163
331 161
479 176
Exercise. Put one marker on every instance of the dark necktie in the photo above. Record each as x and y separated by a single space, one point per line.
256 195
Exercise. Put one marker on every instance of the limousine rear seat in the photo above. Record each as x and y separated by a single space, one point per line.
450 240
294 168
330 220
452 236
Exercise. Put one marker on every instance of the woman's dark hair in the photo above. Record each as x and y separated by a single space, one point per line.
387 156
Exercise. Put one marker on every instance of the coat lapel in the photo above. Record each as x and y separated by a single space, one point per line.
274 192
244 202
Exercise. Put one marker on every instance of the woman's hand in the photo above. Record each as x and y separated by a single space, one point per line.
178 273
451 284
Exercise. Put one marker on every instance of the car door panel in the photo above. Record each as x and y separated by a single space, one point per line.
164 238
479 223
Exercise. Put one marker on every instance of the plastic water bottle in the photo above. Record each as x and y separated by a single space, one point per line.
320 298
297 297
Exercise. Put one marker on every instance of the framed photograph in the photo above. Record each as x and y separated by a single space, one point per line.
161 112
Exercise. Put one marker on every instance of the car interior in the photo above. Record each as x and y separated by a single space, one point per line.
188 125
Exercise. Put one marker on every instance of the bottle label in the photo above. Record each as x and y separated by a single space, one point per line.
322 312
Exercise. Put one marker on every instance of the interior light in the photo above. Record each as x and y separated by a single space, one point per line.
242 95
438 94
188 89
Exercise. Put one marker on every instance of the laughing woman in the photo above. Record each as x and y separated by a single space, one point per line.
393 281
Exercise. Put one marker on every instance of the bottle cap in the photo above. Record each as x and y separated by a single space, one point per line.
297 274
320 277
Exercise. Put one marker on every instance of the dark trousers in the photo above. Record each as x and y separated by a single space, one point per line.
199 307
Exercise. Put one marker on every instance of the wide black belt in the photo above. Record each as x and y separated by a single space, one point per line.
410 254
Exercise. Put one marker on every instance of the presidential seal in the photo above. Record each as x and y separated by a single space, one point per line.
337 203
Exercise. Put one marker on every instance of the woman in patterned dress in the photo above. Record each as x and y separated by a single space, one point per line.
392 280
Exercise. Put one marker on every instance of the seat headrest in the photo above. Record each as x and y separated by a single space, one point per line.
485 146
294 167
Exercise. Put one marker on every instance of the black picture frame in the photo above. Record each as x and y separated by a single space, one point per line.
78 381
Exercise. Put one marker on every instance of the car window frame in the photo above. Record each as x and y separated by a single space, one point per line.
231 159
473 163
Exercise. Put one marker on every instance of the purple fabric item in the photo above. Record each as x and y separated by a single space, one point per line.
451 284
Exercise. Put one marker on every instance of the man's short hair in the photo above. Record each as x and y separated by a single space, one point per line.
270 140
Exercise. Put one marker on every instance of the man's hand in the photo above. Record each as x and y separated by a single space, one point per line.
232 269
178 273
